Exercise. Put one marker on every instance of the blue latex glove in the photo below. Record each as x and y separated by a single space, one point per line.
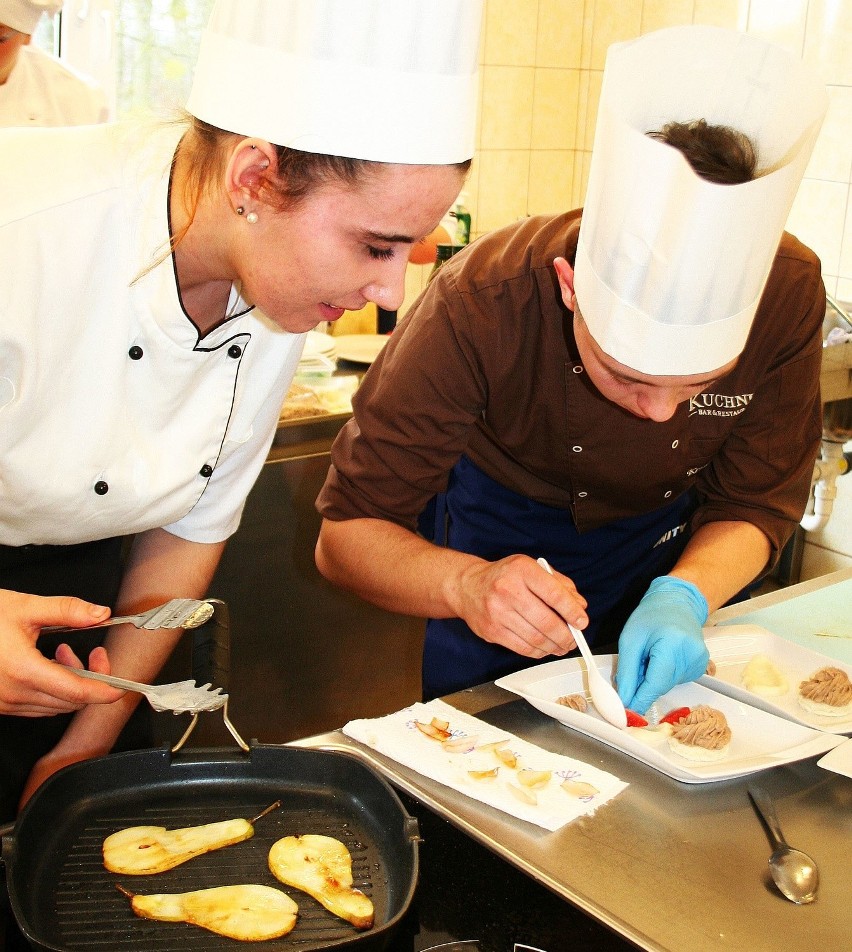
662 644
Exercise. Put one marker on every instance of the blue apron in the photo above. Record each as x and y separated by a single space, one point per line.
612 567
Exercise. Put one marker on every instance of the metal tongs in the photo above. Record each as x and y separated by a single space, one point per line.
177 613
180 697
210 653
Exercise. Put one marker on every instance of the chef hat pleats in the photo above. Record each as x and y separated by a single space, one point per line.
386 80
23 15
670 267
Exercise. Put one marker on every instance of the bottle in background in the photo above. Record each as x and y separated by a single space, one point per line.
462 217
444 253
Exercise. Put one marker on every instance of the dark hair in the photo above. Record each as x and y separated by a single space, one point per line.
717 153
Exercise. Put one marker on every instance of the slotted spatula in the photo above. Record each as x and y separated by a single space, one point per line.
180 697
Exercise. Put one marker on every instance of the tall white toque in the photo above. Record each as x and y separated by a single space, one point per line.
670 267
386 80
23 15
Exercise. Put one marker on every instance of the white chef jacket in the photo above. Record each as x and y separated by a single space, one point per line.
114 416
41 91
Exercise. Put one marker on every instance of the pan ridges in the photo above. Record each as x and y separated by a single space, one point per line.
93 915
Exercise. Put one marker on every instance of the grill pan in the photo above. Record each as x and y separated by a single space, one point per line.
64 899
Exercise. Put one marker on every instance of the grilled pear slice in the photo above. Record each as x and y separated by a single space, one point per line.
250 913
322 867
142 850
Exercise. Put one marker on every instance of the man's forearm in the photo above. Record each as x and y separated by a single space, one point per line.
392 567
722 558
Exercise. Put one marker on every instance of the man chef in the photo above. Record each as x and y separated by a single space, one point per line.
630 391
35 88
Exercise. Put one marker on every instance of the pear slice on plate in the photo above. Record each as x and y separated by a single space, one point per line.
322 867
250 913
142 850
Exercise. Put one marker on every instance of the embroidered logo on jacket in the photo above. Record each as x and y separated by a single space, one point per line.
719 404
670 534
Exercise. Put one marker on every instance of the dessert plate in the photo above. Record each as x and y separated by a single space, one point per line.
731 647
759 740
360 348
317 353
317 343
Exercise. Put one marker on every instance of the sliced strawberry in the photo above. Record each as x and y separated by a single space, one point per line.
635 720
675 716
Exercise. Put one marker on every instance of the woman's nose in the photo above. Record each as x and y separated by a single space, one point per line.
388 292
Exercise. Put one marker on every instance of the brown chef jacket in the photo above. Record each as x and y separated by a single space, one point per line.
485 364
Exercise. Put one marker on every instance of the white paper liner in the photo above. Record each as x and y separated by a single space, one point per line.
397 736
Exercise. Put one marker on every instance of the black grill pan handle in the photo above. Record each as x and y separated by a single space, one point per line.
211 648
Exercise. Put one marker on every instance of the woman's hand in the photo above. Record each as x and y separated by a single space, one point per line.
515 603
32 685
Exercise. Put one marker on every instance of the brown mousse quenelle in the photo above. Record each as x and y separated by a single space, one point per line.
576 702
827 692
702 735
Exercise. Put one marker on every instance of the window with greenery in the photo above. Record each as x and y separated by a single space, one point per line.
46 36
156 47
141 52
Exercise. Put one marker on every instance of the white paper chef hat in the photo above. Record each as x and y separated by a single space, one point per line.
670 267
23 15
387 80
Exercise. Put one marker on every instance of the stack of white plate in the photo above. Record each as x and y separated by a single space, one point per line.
318 354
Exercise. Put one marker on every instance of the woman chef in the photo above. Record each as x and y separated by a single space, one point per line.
630 391
35 88
155 292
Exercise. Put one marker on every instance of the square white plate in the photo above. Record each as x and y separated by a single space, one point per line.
838 760
759 740
733 646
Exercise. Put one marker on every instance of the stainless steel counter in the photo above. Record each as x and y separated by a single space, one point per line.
670 866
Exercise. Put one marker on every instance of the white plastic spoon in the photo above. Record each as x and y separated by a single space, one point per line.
604 696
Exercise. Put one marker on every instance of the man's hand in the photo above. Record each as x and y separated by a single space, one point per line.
30 684
515 603
662 644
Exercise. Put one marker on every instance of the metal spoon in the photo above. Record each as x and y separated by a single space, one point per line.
604 696
794 872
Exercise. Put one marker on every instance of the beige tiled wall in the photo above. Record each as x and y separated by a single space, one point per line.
541 68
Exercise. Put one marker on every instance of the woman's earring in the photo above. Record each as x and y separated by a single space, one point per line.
251 218
240 210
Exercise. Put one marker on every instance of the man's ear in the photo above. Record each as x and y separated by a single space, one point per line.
247 167
565 276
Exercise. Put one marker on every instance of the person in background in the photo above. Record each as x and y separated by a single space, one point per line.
154 300
36 89
630 391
